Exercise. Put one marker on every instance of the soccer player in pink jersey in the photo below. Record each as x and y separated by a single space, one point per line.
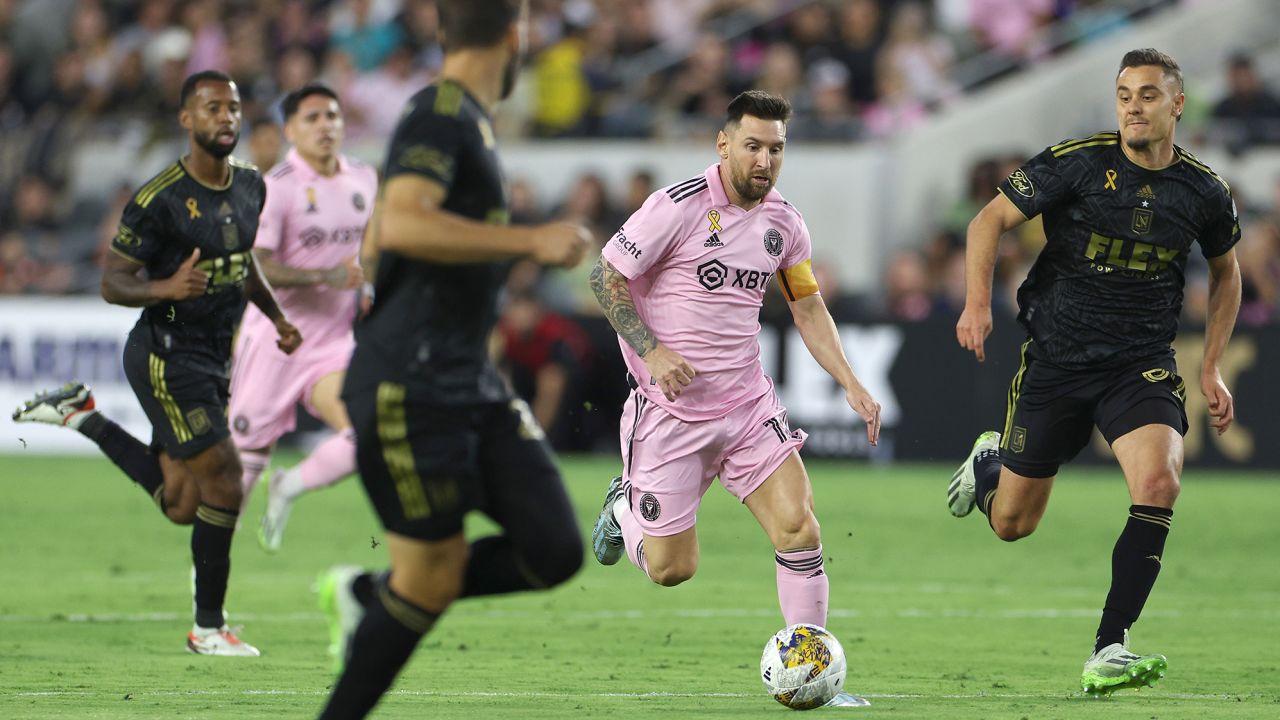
682 282
309 234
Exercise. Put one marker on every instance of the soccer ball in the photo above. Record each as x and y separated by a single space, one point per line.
803 666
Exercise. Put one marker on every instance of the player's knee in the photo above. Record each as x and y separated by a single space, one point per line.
183 513
672 574
1158 488
802 532
1012 527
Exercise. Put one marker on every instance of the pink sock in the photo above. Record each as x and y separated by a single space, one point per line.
253 463
803 588
632 534
332 460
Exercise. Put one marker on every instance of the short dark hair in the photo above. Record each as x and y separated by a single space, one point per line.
289 105
476 23
193 80
758 103
1151 56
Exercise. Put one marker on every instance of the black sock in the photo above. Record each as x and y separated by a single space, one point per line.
211 552
1135 564
495 567
390 630
986 475
127 452
363 586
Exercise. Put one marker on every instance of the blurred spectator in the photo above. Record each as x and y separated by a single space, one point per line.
1249 115
1259 256
373 102
895 109
701 86
782 74
544 353
523 206
906 287
365 33
639 187
860 40
421 23
829 115
297 26
1014 29
202 20
563 97
266 144
916 58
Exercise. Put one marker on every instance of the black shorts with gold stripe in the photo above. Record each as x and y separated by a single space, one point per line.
1052 410
425 466
187 408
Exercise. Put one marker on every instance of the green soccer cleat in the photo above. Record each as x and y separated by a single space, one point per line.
68 406
1115 668
343 610
606 536
276 515
962 493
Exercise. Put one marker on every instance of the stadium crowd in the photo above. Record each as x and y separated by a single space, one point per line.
855 70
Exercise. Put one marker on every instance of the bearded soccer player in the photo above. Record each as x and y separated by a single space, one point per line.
182 253
438 431
682 284
1100 306
318 204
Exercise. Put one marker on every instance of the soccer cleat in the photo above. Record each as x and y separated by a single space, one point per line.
341 607
1115 668
606 536
961 493
274 518
68 406
218 641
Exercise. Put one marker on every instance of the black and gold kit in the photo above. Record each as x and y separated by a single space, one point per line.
178 355
1101 303
438 430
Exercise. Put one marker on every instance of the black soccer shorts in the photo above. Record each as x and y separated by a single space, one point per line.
187 408
1052 411
425 466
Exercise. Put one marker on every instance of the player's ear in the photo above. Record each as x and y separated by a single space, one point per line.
184 118
722 145
1179 102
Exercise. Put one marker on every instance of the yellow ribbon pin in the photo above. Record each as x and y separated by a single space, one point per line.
193 208
714 217
1111 180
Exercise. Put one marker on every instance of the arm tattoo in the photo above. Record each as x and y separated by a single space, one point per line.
614 294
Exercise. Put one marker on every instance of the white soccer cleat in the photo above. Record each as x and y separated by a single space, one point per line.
606 535
1115 668
218 641
341 607
962 493
276 516
67 406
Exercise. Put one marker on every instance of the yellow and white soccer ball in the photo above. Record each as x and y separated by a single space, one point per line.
803 666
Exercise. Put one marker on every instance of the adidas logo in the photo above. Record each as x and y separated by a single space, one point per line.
1146 194
713 241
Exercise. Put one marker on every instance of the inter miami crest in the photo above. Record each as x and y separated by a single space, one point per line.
650 508
773 242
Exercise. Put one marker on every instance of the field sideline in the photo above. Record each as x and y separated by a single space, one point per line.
939 618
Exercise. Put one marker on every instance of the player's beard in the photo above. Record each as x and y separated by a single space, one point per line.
1138 143
210 144
748 190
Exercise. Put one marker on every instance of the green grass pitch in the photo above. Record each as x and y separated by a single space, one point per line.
938 617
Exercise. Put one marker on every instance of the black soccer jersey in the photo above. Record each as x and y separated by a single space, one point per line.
168 218
430 325
1107 288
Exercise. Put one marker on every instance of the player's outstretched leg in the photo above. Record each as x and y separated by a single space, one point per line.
962 492
1115 668
344 591
72 406
331 461
606 536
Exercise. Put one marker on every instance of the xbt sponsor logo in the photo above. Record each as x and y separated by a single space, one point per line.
714 274
630 247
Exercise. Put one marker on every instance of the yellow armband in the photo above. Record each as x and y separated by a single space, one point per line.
798 281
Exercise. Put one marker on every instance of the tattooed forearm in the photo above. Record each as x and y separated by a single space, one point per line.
610 287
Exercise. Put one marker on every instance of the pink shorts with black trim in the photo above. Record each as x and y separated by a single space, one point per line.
670 463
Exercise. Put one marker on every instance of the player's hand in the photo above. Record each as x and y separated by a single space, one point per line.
867 408
1222 408
670 372
365 302
561 244
346 275
187 281
973 328
289 338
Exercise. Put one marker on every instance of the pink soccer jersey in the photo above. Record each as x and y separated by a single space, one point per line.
313 221
698 268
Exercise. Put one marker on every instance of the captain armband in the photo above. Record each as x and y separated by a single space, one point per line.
797 281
